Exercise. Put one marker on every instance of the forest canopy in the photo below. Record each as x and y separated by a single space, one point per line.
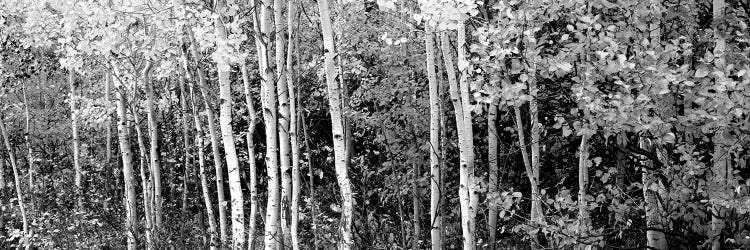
374 124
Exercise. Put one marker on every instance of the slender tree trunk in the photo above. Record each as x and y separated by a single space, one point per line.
272 233
311 174
147 187
534 182
76 142
536 201
436 220
253 118
146 182
655 217
583 180
283 123
184 113
227 134
17 181
252 122
293 128
2 174
154 147
214 140
108 148
201 164
127 169
337 122
465 141
29 153
417 211
492 160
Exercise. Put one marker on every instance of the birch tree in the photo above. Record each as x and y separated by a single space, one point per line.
227 135
436 220
337 123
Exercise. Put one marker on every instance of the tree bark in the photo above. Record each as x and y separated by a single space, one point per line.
436 220
17 180
154 146
464 133
252 122
184 114
492 136
583 180
416 211
293 128
337 123
283 123
147 184
213 134
127 168
76 142
268 99
227 134
536 201
206 192
655 216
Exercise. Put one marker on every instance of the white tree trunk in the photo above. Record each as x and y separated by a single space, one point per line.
227 135
283 123
147 184
492 160
464 136
337 123
201 164
17 181
536 201
268 99
154 147
213 134
293 127
436 220
127 168
252 120
76 142
186 118
583 180
655 216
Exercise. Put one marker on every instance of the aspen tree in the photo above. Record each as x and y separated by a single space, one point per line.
293 126
227 135
283 122
337 123
76 141
252 122
186 118
492 135
213 134
655 237
127 166
154 146
436 221
205 190
465 143
268 98
17 182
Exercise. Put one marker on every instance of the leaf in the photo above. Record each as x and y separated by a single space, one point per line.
565 66
597 160
701 72
566 131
